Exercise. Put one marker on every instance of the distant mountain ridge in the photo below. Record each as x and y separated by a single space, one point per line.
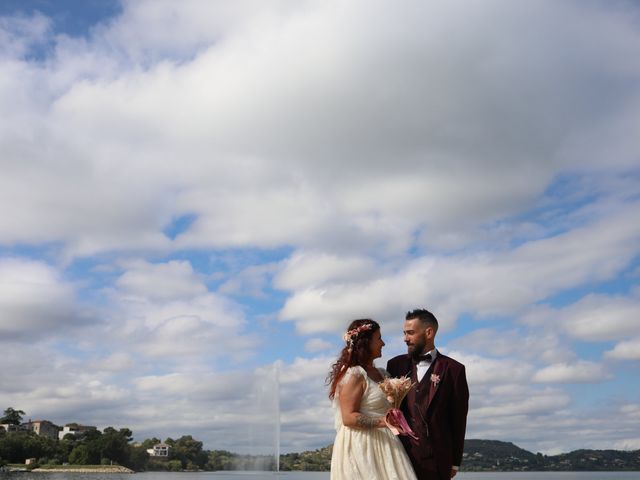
494 455
497 456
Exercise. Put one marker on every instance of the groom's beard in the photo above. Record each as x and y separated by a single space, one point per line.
416 349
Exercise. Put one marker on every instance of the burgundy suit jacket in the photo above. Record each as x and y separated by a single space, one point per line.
436 410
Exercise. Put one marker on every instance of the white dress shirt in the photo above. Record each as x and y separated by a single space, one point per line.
423 365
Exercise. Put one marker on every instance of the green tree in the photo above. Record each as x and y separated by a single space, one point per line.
87 451
138 458
12 416
150 442
188 450
220 460
81 455
114 445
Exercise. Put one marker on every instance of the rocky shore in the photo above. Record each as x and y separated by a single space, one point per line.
79 469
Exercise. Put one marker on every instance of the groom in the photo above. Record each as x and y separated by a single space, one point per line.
436 408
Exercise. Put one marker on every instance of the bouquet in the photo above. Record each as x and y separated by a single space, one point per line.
395 390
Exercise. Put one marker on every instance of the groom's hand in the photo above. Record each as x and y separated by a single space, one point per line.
453 472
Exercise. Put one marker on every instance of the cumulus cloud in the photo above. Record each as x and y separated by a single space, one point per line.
479 159
309 269
528 345
602 317
487 371
579 372
167 281
36 301
260 169
491 283
19 33
251 281
166 311
625 350
317 345
115 362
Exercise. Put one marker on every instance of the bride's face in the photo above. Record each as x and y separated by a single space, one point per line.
375 344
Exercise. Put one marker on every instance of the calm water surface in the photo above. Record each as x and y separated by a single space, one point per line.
311 476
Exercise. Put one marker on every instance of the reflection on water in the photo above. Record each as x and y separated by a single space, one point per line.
311 476
166 476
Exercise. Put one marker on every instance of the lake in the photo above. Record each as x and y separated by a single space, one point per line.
311 476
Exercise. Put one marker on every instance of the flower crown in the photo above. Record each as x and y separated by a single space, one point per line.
351 334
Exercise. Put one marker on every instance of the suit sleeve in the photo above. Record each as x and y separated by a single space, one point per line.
459 415
391 368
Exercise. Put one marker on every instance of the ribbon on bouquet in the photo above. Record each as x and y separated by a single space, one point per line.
397 423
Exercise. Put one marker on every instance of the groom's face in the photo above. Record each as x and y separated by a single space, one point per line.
415 336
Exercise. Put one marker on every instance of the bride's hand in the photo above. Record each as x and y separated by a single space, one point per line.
390 419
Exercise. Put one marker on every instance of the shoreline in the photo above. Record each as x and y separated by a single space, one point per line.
104 469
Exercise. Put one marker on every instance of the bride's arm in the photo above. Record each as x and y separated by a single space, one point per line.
351 392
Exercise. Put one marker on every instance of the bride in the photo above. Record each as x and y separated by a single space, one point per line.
364 447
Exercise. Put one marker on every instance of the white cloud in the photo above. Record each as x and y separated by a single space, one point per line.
536 403
578 372
36 302
530 345
465 157
625 350
18 33
260 169
599 317
317 345
206 325
309 269
488 371
494 283
251 281
115 362
166 281
631 410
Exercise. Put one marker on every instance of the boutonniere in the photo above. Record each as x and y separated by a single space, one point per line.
435 380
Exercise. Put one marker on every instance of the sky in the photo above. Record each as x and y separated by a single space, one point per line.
197 197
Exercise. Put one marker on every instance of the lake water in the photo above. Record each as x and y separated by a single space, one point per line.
312 476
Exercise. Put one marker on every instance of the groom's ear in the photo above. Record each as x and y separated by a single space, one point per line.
429 332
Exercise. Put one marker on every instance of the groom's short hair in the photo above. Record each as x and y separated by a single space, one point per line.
427 318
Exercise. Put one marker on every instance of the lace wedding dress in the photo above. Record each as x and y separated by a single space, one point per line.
368 454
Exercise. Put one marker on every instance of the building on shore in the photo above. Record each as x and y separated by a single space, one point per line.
74 429
10 427
44 428
159 450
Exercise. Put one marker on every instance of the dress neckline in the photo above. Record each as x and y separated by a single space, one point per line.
373 379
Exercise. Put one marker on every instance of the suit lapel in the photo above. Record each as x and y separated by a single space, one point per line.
437 373
411 372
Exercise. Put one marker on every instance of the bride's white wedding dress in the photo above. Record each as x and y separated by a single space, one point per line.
373 453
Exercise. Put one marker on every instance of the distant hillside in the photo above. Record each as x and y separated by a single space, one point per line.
494 455
315 461
483 455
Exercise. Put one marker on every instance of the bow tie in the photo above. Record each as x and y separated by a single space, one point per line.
423 358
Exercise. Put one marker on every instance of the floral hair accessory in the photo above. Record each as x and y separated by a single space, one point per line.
352 334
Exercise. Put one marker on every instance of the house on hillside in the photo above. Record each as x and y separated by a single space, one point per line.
44 428
74 429
10 427
159 450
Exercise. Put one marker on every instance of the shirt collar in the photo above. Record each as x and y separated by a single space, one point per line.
433 353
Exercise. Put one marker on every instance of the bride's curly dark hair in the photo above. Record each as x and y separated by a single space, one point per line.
355 352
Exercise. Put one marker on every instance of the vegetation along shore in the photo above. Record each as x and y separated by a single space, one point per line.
91 450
